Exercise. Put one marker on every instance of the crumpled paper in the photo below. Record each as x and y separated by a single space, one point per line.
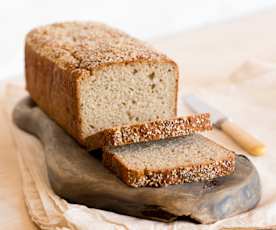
249 98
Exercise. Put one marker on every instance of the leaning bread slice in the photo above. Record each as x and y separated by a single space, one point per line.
191 158
150 131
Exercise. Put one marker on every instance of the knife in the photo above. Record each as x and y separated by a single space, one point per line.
245 140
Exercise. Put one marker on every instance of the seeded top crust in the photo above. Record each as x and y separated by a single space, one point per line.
170 153
89 45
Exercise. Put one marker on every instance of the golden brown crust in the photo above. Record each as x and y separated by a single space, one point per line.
150 131
58 56
53 89
188 174
89 45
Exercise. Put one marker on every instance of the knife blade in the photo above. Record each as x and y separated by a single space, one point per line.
198 106
245 140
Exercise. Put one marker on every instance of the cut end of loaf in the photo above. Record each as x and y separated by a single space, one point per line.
178 160
123 94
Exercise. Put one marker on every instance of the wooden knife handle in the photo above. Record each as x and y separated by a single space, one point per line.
242 138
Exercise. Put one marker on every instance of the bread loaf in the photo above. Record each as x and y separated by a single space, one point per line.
177 160
88 77
150 131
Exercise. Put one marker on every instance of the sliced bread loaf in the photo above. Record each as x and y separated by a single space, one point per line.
88 77
150 131
177 160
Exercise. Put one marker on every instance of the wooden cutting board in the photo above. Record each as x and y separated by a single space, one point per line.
79 177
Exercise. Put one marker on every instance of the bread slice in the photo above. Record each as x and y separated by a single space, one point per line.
150 131
177 160
88 77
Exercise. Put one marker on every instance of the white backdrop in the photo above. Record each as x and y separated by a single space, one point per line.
142 18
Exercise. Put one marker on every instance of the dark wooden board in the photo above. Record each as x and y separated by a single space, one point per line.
79 177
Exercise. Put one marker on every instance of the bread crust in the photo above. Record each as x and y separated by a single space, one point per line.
53 90
170 176
60 55
150 131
